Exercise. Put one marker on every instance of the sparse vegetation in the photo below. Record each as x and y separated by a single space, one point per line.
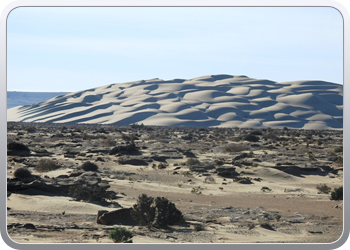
323 188
17 148
46 165
338 149
155 212
192 161
197 190
337 194
89 166
251 138
90 193
209 179
22 173
203 189
121 235
265 189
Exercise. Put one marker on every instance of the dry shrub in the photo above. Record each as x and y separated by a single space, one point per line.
46 165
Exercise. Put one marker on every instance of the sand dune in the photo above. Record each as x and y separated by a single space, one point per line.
214 100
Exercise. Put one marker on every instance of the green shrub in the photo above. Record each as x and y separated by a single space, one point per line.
121 235
46 165
22 173
158 212
337 194
338 149
89 166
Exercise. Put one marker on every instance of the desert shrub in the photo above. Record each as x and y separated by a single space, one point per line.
323 188
162 165
17 148
196 190
166 212
338 149
337 194
89 193
136 125
46 165
30 129
89 166
192 161
209 179
143 211
22 173
158 212
251 138
121 235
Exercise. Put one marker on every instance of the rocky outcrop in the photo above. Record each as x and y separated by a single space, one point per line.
58 186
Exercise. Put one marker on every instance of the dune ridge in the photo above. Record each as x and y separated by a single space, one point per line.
208 101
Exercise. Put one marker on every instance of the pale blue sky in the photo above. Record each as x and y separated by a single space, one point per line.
71 49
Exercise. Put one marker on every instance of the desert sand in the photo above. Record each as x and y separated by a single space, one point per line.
237 191
208 101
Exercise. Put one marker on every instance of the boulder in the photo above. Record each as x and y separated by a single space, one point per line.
121 216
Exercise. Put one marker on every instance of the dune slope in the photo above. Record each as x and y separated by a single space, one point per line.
208 101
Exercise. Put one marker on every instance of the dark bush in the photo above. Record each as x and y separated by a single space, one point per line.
46 165
158 212
22 173
192 161
143 212
128 149
337 194
89 193
251 138
89 166
30 129
17 148
166 212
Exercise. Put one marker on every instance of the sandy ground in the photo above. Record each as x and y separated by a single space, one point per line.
228 211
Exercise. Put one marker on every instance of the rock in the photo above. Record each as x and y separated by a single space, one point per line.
137 162
120 216
226 171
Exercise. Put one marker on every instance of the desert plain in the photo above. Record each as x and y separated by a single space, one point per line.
232 185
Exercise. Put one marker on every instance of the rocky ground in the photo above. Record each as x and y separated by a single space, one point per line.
231 185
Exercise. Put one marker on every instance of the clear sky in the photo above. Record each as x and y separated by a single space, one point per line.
77 48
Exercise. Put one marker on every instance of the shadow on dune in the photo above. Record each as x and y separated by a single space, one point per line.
135 118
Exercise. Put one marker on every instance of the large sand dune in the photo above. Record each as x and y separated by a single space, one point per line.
208 101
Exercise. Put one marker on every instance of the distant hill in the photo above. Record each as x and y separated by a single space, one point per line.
16 98
207 101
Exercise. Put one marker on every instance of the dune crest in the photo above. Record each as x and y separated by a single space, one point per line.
207 101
